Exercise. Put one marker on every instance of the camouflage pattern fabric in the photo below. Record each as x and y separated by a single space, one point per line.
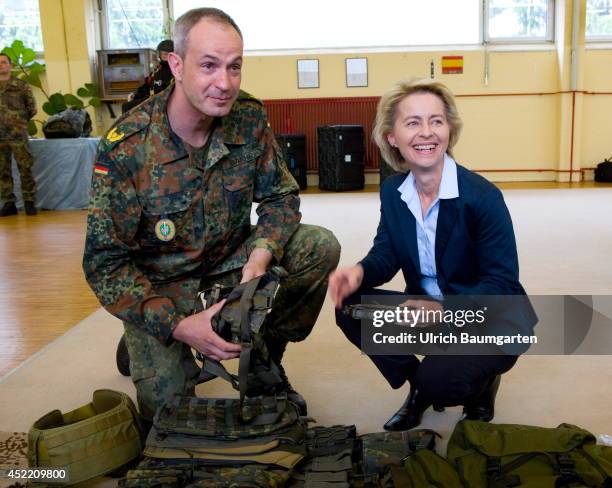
382 450
221 418
160 218
17 107
24 161
311 253
157 474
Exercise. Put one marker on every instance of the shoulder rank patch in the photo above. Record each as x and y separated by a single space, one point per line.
114 136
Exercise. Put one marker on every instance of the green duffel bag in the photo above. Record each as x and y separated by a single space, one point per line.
423 469
506 455
89 441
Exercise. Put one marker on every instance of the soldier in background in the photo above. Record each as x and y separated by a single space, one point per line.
173 185
156 81
17 107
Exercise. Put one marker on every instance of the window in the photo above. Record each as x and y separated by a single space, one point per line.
20 19
316 24
599 20
133 23
321 24
518 20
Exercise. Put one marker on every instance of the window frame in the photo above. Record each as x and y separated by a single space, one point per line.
549 38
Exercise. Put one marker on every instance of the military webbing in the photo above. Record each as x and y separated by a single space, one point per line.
224 418
89 441
246 332
331 452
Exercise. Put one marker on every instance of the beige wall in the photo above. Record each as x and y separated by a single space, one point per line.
501 132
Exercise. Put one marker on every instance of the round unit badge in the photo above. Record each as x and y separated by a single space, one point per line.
165 230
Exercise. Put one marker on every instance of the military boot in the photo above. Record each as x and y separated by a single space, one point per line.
8 208
409 414
276 349
30 208
483 407
292 395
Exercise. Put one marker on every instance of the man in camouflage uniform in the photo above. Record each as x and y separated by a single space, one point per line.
17 107
170 208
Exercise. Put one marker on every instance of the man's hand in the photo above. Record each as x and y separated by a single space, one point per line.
258 263
344 282
196 331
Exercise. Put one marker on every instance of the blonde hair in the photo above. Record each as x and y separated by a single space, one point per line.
386 114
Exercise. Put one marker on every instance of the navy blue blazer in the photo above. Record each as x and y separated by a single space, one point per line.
475 247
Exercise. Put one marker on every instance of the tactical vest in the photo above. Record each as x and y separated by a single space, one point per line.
241 321
90 441
258 439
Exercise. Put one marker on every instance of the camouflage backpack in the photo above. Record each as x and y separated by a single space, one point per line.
67 124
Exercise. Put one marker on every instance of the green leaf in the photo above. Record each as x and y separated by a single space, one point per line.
89 90
95 102
32 129
55 104
36 67
33 79
10 53
71 101
17 47
28 56
48 108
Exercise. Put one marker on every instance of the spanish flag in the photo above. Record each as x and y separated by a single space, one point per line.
452 65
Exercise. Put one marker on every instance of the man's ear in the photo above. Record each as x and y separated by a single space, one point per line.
176 66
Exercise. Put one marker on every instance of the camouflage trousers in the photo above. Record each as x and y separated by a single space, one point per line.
159 371
24 163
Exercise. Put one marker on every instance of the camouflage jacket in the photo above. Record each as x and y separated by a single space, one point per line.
160 217
17 106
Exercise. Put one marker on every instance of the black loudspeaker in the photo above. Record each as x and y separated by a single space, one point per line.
294 151
341 157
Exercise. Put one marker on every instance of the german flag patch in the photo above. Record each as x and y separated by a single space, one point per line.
100 169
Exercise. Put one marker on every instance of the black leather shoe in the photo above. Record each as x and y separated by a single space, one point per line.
7 209
292 395
30 208
409 414
483 408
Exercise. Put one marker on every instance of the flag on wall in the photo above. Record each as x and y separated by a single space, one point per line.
452 65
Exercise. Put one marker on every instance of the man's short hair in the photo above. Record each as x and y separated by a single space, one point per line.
185 23
7 57
387 112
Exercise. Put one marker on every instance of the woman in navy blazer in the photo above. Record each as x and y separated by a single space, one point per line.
448 230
